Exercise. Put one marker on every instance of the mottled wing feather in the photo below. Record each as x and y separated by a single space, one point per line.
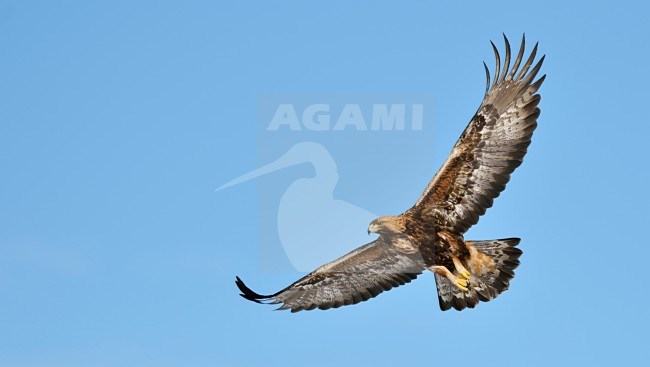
358 276
492 146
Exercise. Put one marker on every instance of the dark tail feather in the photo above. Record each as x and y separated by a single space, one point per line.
492 264
249 294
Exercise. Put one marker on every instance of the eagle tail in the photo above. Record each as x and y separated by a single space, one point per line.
494 277
491 264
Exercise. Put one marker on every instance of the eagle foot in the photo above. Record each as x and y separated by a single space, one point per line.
462 284
461 269
465 274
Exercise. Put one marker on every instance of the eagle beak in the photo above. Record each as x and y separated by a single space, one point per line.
372 228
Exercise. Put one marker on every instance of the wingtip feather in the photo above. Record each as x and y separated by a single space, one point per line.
506 63
497 69
248 293
487 77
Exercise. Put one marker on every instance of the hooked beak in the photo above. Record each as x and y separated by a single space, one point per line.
372 228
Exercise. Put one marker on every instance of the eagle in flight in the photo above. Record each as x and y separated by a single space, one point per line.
430 234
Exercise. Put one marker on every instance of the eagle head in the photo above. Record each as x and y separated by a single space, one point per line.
386 225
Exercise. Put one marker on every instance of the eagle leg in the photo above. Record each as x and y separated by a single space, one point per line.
462 284
456 242
460 268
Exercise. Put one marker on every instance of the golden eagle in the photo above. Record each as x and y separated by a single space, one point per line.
430 234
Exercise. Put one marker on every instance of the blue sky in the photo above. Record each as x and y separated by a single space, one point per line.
119 119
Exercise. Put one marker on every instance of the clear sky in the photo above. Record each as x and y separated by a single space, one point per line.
119 119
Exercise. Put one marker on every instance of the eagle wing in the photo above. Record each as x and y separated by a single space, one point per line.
491 147
356 277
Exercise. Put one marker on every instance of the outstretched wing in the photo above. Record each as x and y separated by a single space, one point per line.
491 147
356 277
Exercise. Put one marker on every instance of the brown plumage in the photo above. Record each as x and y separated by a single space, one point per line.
430 234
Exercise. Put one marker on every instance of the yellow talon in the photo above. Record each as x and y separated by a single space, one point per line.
465 274
460 268
462 284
